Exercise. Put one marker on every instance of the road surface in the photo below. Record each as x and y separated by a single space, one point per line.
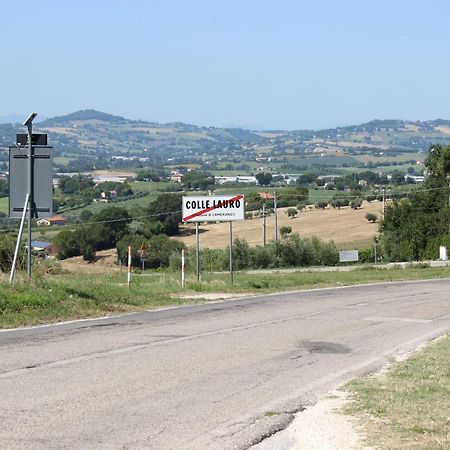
222 375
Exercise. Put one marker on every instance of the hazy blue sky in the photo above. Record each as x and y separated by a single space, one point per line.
257 64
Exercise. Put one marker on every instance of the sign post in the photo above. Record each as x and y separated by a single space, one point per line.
217 208
182 268
33 157
197 252
231 252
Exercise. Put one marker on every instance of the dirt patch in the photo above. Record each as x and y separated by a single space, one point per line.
347 227
320 427
105 262
443 129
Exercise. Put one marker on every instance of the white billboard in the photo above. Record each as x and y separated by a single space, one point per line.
348 256
214 208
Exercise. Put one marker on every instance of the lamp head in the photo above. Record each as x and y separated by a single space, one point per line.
30 119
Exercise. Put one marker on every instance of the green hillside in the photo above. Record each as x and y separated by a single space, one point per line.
88 140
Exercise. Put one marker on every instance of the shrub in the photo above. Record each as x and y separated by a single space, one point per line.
285 231
262 257
7 246
355 204
372 218
241 254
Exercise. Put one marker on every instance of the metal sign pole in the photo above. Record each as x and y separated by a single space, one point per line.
276 215
231 252
197 252
19 238
30 194
264 223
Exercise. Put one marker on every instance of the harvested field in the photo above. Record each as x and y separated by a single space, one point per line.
105 263
348 228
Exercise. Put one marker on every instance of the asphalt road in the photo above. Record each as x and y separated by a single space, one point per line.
222 375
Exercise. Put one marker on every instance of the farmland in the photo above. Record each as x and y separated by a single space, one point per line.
348 228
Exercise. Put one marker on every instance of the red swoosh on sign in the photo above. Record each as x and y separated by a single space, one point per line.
203 211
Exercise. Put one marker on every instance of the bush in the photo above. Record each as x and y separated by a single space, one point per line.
241 254
292 212
366 255
355 204
432 248
7 247
339 203
284 231
372 218
262 257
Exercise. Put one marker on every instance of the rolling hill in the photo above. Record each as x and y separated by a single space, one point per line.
104 140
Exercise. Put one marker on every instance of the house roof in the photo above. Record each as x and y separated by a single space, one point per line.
266 195
40 244
56 219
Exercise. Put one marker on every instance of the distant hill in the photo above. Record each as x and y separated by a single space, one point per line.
83 115
98 139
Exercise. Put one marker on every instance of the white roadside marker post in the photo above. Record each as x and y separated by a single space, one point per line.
183 280
129 266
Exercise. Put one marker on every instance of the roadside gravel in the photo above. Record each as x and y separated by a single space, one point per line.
322 426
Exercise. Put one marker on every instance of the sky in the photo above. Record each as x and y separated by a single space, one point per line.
281 64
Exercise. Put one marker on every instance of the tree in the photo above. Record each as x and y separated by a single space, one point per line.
198 180
306 178
285 230
4 190
112 224
241 254
397 177
166 210
86 215
411 224
263 178
7 245
75 243
292 212
76 184
355 204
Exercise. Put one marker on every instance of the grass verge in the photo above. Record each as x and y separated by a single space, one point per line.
57 297
408 407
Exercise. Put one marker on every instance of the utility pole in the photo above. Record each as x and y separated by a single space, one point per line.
276 215
263 212
449 207
384 200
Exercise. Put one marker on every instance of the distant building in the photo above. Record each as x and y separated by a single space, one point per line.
51 221
416 178
47 249
107 196
176 176
266 196
237 179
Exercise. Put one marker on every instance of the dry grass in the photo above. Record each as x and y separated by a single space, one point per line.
409 406
443 129
106 262
348 228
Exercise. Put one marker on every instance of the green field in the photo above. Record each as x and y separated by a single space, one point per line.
55 297
4 204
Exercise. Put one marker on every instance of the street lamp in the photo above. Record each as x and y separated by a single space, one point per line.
29 124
